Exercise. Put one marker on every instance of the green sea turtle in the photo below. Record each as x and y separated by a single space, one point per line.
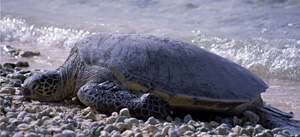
150 76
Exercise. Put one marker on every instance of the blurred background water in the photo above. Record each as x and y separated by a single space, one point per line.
261 35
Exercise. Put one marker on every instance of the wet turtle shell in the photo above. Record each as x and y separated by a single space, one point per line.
183 74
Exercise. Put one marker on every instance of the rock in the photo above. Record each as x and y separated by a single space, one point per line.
152 121
184 128
7 90
19 134
187 118
214 124
120 126
31 134
120 119
128 133
165 130
22 64
125 112
4 134
22 114
223 129
169 119
109 128
233 135
243 131
28 120
236 121
251 117
9 65
29 54
172 132
91 115
151 129
67 126
131 122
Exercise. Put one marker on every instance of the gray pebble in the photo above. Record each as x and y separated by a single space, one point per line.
125 112
22 114
19 134
31 134
128 133
120 119
152 121
22 64
7 90
187 118
251 117
172 132
4 134
67 126
109 128
131 121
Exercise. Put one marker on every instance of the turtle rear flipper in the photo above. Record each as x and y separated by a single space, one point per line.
274 118
107 98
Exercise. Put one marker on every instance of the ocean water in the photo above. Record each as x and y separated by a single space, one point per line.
261 35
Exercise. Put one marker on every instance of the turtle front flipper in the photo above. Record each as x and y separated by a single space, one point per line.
107 98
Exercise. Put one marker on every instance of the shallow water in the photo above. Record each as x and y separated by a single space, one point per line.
263 36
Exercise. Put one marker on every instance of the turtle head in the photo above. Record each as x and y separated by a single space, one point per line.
44 86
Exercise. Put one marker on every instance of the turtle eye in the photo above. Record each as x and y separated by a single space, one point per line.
34 86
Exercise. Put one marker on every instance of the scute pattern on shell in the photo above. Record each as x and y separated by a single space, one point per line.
170 66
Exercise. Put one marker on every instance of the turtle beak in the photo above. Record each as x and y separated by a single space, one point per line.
26 92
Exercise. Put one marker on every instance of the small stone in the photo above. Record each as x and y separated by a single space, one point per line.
109 128
22 64
131 122
67 126
120 126
22 114
28 120
116 134
110 120
151 129
184 128
104 133
7 90
172 132
223 129
276 130
125 112
233 134
244 131
31 134
187 118
4 134
177 121
128 133
169 119
237 129
19 134
251 117
188 133
91 115
165 130
152 121
29 54
69 133
214 124
138 135
9 65
236 121
120 119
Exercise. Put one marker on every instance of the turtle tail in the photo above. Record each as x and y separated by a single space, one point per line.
271 117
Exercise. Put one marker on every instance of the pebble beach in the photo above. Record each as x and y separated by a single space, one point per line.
21 117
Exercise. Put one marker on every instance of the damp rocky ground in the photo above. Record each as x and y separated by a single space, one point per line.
20 117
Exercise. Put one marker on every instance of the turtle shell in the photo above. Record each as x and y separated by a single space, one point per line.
181 73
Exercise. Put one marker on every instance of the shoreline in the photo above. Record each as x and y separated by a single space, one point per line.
33 118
